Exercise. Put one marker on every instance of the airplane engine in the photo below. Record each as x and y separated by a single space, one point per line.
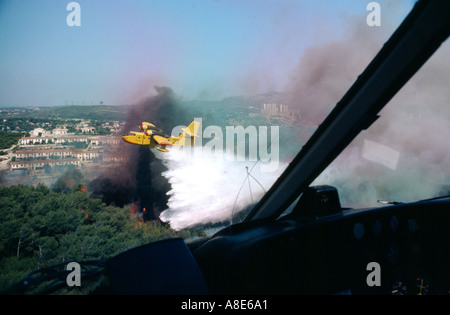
146 125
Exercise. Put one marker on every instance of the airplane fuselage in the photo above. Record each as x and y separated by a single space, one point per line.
154 137
139 138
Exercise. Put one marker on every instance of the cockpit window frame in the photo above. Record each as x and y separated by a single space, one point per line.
421 33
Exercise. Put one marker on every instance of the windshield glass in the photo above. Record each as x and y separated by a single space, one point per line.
404 156
234 88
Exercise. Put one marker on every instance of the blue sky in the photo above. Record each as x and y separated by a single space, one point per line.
202 49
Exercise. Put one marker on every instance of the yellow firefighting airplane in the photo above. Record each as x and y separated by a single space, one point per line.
153 136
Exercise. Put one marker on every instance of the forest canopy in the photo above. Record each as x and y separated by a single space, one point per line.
40 227
8 139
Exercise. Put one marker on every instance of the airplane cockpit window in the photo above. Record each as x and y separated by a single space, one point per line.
184 120
404 156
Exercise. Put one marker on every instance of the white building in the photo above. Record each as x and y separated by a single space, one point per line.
33 165
34 140
59 131
38 132
87 129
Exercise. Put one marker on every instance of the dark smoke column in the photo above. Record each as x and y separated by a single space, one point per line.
150 200
138 180
151 187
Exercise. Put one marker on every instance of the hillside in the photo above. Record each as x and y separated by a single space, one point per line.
96 112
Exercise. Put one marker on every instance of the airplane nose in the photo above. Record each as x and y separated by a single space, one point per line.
128 139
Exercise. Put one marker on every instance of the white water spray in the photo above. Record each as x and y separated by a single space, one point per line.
208 187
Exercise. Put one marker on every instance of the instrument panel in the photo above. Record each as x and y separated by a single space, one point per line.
398 249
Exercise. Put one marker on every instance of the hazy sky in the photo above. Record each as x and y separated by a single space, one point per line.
202 49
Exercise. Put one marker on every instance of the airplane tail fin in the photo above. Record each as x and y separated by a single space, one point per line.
190 131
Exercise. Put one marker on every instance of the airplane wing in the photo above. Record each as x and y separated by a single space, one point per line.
162 140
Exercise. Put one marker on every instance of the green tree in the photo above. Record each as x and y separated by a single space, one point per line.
40 227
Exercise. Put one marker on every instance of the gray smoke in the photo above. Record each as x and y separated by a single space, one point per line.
405 154
326 71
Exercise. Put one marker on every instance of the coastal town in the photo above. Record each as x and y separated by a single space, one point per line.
42 153
44 142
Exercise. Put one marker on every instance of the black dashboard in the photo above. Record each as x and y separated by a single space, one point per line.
395 249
